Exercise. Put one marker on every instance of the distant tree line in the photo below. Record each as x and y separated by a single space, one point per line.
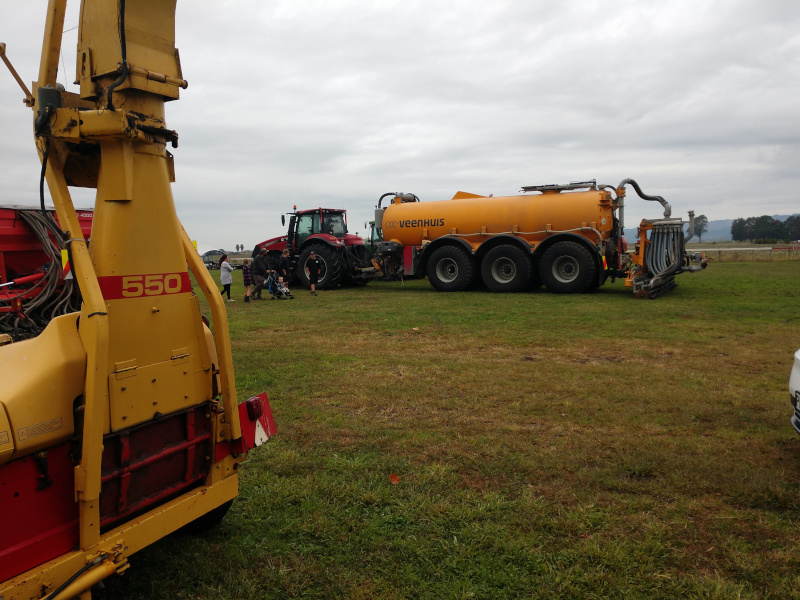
766 229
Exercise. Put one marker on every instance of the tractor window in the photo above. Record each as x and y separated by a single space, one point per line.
334 224
305 227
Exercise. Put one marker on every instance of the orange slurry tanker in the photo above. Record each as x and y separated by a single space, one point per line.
567 237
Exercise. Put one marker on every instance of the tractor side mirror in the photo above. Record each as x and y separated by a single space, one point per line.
283 220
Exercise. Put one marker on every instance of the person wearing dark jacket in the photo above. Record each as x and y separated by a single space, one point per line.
314 266
259 273
284 265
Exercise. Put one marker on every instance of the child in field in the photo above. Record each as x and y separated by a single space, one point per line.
283 290
247 279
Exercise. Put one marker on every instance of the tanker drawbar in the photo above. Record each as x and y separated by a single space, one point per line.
569 238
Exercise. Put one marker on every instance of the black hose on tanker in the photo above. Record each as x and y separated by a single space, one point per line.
643 196
664 254
403 197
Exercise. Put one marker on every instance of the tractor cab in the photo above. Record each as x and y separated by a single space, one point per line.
318 221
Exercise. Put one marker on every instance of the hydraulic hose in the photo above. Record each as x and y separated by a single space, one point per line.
50 301
90 574
404 197
643 196
384 196
664 253
124 50
45 154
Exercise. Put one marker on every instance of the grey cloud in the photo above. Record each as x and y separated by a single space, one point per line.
334 103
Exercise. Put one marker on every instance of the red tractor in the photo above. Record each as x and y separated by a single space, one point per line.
344 256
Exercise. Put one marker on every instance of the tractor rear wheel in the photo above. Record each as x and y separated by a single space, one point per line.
332 267
451 269
506 268
568 268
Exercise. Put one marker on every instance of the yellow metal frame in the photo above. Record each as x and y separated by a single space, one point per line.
100 555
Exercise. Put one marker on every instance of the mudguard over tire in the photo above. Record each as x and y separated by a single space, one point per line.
332 267
451 269
568 268
506 268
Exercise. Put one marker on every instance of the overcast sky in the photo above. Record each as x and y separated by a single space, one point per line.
334 103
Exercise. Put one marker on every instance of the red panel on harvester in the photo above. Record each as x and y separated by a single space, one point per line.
38 520
147 465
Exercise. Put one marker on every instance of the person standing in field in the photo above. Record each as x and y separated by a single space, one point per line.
247 279
225 276
284 265
260 273
314 266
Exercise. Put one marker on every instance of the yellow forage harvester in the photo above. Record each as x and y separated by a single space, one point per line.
119 423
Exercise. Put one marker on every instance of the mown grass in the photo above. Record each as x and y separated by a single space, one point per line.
546 446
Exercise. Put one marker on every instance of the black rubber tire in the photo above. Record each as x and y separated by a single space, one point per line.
506 268
332 267
209 520
451 269
568 268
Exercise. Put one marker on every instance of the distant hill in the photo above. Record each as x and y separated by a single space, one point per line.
718 231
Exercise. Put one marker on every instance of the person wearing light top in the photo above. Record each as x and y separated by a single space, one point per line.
225 277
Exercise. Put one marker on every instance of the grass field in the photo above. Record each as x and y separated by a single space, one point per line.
477 445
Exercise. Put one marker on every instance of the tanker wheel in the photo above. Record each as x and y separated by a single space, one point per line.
568 268
506 269
451 269
331 271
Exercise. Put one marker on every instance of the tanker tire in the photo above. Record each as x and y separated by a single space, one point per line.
332 267
568 268
506 268
451 269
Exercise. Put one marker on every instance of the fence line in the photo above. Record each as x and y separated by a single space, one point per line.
750 254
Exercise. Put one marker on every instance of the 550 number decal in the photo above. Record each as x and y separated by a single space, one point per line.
117 287
150 285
